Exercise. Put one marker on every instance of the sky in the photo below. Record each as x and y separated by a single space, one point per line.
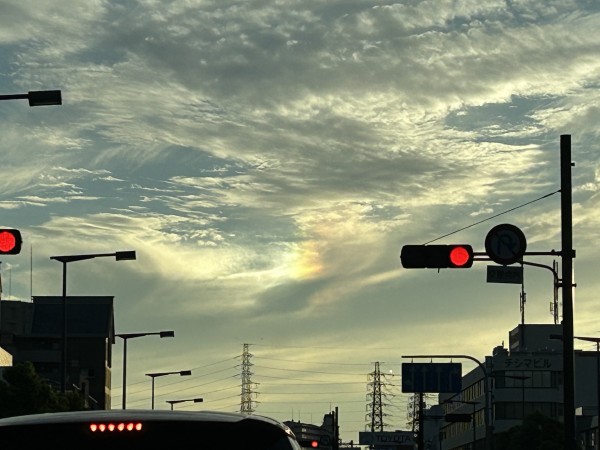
267 161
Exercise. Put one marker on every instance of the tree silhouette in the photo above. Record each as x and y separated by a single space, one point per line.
23 391
537 432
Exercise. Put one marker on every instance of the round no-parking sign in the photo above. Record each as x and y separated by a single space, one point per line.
505 244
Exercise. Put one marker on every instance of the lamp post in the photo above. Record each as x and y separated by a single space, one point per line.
522 378
37 98
126 337
119 256
195 400
162 374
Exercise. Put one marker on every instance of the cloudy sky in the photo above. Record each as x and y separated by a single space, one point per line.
267 160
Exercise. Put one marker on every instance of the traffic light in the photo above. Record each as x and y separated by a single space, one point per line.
458 418
458 256
308 443
10 242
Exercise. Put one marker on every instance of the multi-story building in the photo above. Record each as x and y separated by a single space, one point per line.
32 331
522 379
322 437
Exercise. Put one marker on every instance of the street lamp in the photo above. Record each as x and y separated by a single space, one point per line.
522 378
195 400
162 374
125 337
37 98
119 256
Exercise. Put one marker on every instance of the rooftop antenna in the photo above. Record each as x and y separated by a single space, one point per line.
523 300
31 272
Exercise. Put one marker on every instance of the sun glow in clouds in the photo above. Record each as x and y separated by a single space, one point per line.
307 262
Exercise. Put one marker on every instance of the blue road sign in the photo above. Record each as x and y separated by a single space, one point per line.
432 377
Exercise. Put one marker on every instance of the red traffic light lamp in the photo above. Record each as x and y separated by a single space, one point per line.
308 443
10 242
457 256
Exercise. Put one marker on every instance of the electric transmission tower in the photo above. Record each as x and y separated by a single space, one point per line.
247 403
416 404
377 387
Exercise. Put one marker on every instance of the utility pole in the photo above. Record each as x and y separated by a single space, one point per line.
425 256
420 435
336 430
567 290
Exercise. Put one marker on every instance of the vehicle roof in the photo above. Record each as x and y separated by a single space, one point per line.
136 414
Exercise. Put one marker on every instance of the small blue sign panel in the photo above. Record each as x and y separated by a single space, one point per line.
432 377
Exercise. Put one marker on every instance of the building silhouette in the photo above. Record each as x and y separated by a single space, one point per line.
322 437
524 378
32 331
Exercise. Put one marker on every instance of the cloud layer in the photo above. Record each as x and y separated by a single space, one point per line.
267 161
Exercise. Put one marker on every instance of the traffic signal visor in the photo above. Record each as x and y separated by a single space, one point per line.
457 256
10 242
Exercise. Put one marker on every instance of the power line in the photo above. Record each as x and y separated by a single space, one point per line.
313 362
313 371
494 216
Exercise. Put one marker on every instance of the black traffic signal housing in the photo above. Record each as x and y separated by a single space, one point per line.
456 256
10 241
453 418
308 443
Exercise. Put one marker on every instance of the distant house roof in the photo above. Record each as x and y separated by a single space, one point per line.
86 316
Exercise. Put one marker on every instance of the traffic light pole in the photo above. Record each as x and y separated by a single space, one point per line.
438 256
567 253
567 291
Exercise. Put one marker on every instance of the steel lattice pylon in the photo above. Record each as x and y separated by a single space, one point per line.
376 396
246 403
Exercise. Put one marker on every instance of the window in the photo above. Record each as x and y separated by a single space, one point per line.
527 378
514 410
